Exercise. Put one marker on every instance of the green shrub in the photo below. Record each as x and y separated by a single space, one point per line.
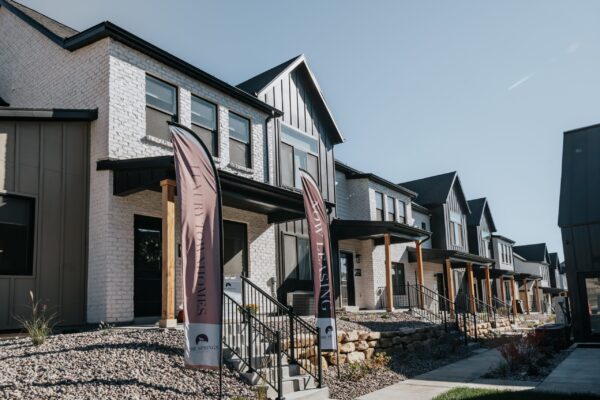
39 325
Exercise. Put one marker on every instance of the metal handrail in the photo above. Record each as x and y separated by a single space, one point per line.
499 305
292 327
254 351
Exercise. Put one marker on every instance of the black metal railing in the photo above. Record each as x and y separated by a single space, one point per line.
257 346
298 335
503 310
484 312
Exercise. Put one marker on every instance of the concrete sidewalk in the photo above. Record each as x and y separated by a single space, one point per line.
578 373
463 373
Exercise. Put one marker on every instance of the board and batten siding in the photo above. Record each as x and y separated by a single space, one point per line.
49 162
453 204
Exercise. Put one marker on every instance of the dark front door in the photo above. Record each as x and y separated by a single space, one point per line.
347 279
235 249
147 288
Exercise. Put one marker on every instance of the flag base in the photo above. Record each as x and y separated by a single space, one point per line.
168 323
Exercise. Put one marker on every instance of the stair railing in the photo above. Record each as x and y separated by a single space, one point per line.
300 340
257 346
503 309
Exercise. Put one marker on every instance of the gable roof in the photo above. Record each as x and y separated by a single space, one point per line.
259 83
478 208
554 260
532 252
352 173
434 190
72 40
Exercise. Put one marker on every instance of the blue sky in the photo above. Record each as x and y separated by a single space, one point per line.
418 88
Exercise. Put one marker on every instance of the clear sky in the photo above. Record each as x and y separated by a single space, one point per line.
418 88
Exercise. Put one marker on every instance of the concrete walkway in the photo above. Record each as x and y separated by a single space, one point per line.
463 373
578 373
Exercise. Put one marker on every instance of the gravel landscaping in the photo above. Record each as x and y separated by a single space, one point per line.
403 365
108 364
378 322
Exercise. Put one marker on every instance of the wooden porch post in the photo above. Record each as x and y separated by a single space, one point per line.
526 295
167 319
488 286
471 287
388 274
450 284
512 294
420 277
537 296
502 294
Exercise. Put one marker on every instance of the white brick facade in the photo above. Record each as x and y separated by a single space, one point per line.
35 72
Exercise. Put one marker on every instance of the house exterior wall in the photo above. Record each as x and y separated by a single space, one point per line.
109 76
420 218
497 254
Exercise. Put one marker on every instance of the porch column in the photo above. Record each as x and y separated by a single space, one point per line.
388 274
167 319
471 287
488 286
420 277
526 295
512 294
537 296
450 284
502 294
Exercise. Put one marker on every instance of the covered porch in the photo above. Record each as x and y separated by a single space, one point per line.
250 210
530 292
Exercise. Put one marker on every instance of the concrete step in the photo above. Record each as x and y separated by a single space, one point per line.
309 394
294 384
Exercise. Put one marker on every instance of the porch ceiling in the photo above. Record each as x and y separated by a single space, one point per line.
342 229
458 258
135 175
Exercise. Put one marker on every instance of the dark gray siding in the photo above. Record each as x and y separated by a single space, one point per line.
453 204
48 161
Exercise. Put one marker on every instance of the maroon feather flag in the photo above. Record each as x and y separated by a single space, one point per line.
320 250
199 197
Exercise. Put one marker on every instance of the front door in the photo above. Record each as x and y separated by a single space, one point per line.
347 279
147 266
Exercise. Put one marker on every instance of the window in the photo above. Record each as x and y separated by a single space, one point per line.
391 209
424 226
509 257
456 228
16 235
485 237
239 140
378 206
161 106
204 123
402 211
297 262
298 150
398 279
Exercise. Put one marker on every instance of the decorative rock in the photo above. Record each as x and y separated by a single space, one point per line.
374 336
356 357
308 352
361 345
363 335
323 362
351 336
369 353
346 347
341 336
373 343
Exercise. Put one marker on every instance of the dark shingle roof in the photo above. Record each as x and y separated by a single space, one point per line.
352 173
478 207
258 82
532 252
53 26
434 190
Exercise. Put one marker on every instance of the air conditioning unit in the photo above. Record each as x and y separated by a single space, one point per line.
302 302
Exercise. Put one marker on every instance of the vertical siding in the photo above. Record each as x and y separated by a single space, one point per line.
455 205
49 162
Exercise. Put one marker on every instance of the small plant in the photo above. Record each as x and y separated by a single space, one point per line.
379 360
252 308
39 324
261 392
105 328
356 371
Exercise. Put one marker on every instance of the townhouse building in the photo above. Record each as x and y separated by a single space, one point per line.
532 264
89 172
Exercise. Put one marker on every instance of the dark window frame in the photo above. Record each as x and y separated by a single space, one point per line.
393 214
402 206
316 155
379 212
249 144
174 117
216 130
31 269
398 288
296 275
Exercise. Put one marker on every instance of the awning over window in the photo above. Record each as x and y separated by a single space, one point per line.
342 229
279 204
458 258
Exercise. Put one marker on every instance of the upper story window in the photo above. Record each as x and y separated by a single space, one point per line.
502 253
239 140
298 150
456 232
424 226
485 238
379 206
204 123
391 209
402 211
16 235
161 106
509 254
